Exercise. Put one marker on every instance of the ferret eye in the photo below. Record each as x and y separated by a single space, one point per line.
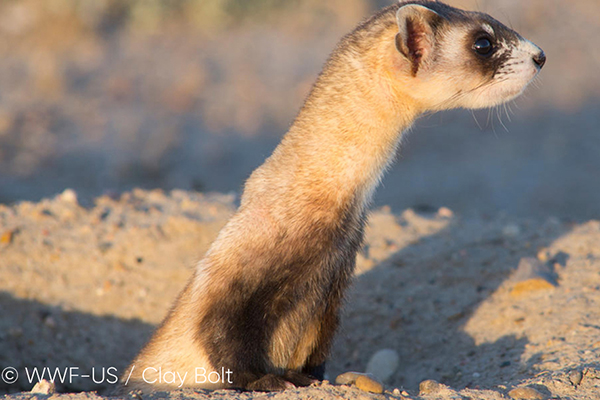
483 46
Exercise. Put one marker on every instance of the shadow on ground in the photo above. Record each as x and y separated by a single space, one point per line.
419 300
35 335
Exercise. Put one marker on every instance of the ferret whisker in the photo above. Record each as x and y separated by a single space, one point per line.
499 114
490 121
507 112
476 121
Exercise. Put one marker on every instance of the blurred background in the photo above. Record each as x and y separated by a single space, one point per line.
105 95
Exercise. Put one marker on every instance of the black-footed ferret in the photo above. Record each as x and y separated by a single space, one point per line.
261 309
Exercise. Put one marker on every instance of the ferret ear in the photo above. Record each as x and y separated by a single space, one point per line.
415 38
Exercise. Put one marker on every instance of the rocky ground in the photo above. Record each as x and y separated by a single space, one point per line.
475 306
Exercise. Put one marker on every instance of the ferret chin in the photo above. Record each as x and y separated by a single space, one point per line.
264 301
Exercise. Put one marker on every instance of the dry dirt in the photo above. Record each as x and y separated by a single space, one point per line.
456 297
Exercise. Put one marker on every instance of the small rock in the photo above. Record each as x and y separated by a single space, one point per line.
532 275
396 392
511 230
7 237
50 322
383 363
445 212
349 378
429 387
44 387
575 377
542 255
68 196
526 393
15 332
367 384
531 285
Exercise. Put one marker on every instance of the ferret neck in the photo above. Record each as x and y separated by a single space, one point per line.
349 129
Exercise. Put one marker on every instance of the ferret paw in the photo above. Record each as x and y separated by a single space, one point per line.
299 379
269 383
272 383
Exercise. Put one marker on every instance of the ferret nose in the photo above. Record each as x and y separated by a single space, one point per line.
540 59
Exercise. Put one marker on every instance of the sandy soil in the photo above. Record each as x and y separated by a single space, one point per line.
480 304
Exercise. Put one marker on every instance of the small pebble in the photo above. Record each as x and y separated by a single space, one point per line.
50 322
532 275
445 212
529 286
7 237
347 378
542 255
575 377
44 387
68 196
429 387
396 392
511 230
383 364
15 332
526 393
367 384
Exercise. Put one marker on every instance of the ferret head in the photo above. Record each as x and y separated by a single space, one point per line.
454 58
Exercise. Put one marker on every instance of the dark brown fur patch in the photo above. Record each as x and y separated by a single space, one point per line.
489 65
415 43
239 324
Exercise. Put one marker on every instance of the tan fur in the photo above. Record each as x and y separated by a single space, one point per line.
320 178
